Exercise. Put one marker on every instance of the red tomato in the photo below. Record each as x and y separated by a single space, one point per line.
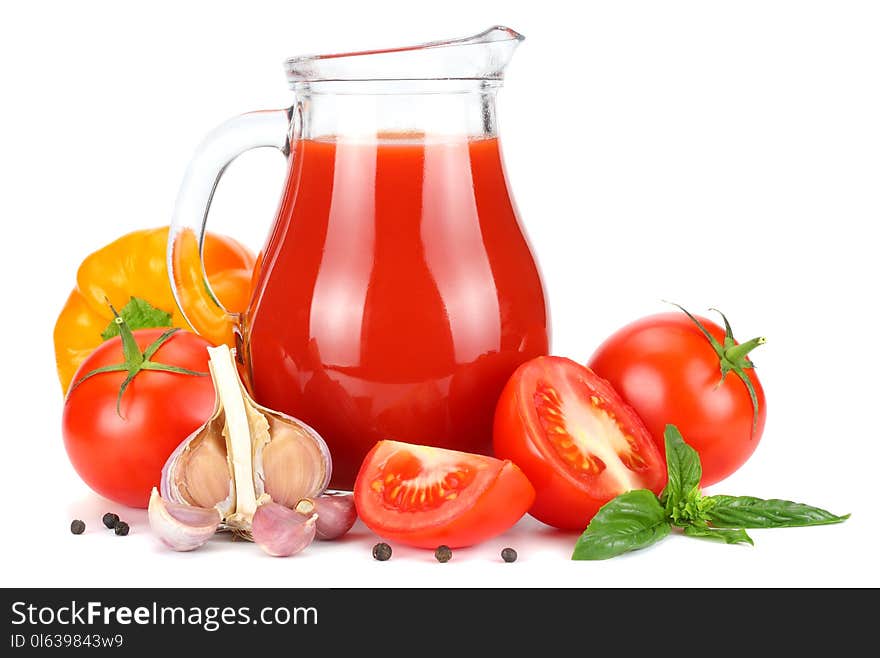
575 439
668 371
425 496
121 457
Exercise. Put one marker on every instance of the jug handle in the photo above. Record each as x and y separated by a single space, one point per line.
186 269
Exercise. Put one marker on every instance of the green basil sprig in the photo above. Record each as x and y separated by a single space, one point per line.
638 518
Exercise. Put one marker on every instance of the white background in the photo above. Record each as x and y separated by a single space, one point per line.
713 153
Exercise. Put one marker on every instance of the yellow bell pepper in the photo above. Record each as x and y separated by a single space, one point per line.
135 266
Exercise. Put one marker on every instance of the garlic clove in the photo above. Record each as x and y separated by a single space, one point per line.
336 514
181 527
281 531
197 472
295 464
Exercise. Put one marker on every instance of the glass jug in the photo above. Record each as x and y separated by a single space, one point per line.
396 292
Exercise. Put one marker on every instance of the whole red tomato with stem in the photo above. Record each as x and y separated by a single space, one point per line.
685 370
134 399
425 496
575 439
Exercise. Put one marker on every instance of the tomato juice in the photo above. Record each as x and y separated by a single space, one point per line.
395 295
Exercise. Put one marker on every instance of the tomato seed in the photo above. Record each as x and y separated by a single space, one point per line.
508 555
381 551
443 553
77 527
110 520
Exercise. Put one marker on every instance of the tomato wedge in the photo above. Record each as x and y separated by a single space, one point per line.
576 440
425 496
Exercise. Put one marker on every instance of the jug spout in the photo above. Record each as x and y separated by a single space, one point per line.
483 56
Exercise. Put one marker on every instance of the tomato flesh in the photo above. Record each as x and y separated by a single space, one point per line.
425 496
404 487
575 439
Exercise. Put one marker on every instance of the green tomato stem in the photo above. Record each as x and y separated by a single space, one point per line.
130 349
135 360
732 357
738 353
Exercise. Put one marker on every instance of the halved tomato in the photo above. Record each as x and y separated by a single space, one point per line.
577 441
425 496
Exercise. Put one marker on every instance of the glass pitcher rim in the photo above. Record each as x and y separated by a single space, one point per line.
482 56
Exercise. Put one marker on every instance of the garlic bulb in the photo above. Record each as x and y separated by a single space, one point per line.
241 453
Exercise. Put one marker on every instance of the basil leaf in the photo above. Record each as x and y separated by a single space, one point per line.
138 314
633 520
683 472
726 535
749 512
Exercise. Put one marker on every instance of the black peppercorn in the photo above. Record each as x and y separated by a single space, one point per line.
443 553
381 551
110 520
77 527
121 528
508 555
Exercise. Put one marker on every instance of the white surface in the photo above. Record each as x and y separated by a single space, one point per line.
712 153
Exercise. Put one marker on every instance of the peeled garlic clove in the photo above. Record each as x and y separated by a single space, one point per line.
181 527
197 472
336 514
244 451
294 463
281 531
